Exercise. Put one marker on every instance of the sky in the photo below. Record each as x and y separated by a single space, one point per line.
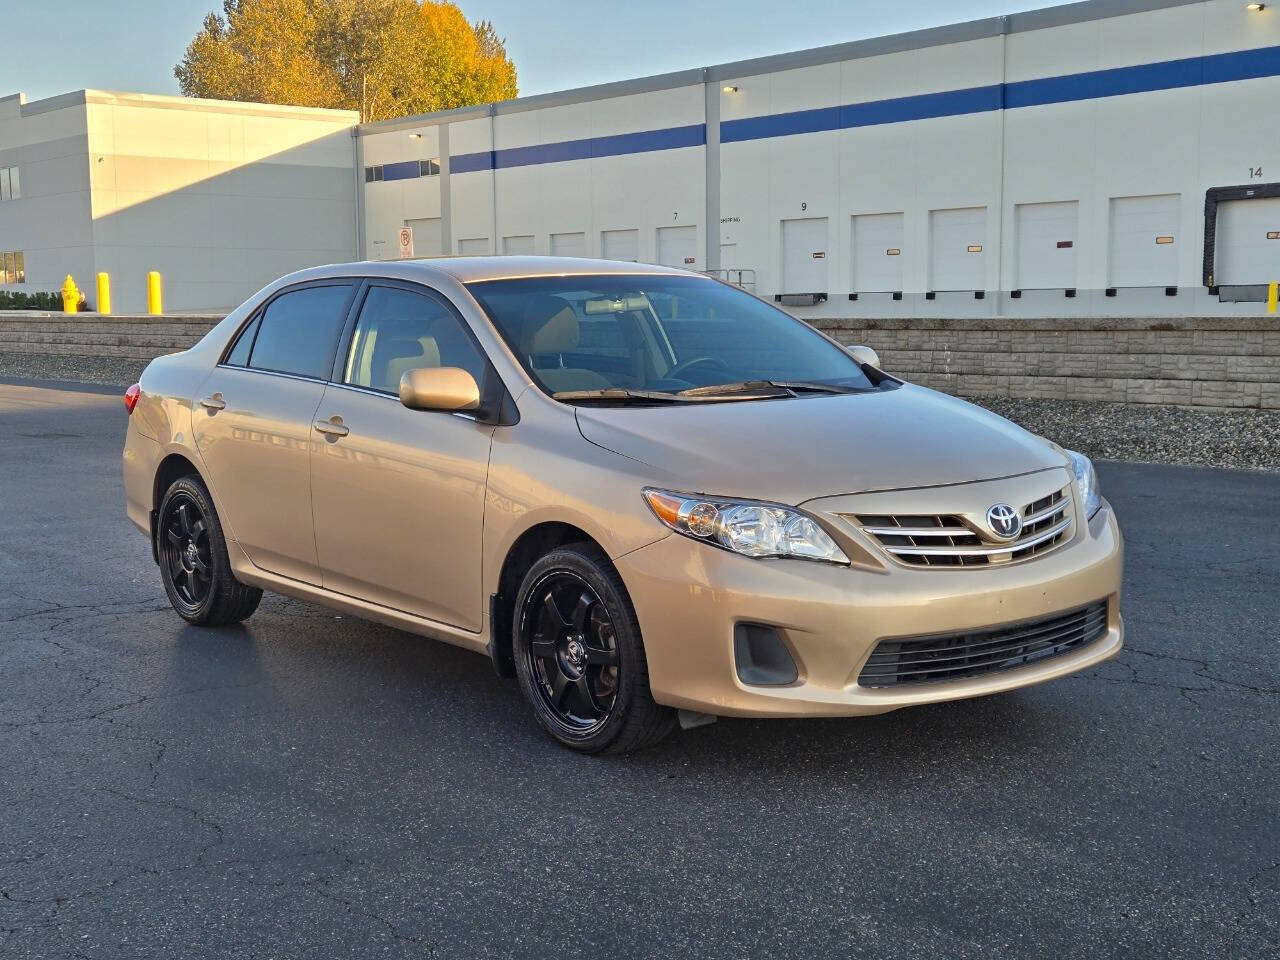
132 45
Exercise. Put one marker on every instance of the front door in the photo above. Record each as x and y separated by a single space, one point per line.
252 423
398 494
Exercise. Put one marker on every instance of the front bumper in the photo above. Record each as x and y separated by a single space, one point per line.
689 596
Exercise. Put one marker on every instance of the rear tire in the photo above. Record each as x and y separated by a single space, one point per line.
194 563
580 658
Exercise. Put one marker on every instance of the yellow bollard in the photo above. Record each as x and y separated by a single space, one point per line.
104 293
1273 297
70 296
154 301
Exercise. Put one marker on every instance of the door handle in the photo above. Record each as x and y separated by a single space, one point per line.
333 427
213 403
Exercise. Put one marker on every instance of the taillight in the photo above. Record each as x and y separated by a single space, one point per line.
131 397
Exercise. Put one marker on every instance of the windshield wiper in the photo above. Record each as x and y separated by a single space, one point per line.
619 395
758 386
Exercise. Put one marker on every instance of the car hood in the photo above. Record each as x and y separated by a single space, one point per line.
797 449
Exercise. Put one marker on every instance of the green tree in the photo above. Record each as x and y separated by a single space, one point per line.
384 58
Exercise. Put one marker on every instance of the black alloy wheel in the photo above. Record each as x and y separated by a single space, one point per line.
185 550
572 646
193 558
579 656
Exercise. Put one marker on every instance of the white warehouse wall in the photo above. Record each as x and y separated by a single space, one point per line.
51 221
1016 128
220 197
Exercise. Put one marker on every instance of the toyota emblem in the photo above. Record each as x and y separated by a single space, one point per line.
1004 521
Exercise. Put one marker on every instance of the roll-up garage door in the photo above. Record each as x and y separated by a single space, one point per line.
427 240
1144 231
877 253
1248 242
474 247
957 249
804 256
568 244
1046 245
518 246
620 245
678 247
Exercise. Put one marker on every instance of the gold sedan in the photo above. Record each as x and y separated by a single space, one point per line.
651 497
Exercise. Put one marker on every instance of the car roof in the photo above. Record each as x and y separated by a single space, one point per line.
472 269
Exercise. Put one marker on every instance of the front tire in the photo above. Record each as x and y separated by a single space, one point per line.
194 563
579 655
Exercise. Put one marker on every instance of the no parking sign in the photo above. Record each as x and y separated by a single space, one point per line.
406 242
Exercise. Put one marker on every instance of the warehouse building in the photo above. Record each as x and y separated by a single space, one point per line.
1097 158
1100 158
219 197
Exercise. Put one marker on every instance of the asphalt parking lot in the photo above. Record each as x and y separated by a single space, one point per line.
316 786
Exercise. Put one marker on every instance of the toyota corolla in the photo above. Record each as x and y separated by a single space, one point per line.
649 496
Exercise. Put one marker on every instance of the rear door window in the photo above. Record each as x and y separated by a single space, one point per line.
299 331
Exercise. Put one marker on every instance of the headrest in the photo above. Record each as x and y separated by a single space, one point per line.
550 326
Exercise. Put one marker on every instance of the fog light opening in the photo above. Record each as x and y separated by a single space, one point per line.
762 659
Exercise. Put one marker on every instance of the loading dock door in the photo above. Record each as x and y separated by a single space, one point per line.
957 249
427 239
1144 234
1248 242
518 246
473 247
621 245
678 247
877 253
804 256
568 244
1046 245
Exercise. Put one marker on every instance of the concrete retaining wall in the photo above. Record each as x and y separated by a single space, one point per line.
1219 362
128 336
1216 362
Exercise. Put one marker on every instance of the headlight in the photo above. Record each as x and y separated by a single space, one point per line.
1086 482
751 529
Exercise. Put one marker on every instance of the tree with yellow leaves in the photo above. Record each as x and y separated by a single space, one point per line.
384 58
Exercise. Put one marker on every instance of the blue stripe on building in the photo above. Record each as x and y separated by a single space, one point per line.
1092 85
407 170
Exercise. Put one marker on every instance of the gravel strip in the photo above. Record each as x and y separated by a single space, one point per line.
110 370
1242 439
1239 439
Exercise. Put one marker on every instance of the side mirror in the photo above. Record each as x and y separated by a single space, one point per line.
864 355
439 388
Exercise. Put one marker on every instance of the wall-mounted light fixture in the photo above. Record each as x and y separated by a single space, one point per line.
730 89
1255 7
415 136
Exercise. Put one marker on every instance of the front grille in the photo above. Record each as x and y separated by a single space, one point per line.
951 656
941 540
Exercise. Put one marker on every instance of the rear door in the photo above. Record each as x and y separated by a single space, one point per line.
252 424
399 493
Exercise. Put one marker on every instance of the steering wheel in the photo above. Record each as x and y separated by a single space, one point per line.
676 372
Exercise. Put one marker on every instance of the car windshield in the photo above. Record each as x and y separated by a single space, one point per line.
655 339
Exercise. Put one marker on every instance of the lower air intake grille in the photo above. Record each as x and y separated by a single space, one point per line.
949 657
